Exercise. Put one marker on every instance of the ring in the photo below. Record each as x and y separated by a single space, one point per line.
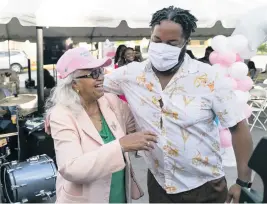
148 143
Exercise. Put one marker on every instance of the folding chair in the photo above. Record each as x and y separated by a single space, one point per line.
257 74
258 104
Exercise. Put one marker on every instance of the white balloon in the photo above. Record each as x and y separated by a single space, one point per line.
216 66
237 43
222 71
247 54
239 70
253 25
228 82
242 97
219 44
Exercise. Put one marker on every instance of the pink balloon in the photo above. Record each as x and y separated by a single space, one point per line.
227 59
214 58
238 58
245 84
225 138
220 128
224 59
110 54
248 111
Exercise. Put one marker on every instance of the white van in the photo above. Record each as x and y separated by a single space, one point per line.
18 60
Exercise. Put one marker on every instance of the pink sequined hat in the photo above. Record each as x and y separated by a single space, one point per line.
77 59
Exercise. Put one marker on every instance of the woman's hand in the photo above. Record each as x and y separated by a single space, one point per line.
138 141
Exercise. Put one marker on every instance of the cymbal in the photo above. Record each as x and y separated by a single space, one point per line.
14 101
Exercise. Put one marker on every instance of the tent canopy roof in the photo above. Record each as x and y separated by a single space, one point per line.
91 20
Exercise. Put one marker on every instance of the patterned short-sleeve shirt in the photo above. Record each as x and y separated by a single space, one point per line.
187 154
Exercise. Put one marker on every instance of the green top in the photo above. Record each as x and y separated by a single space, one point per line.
117 187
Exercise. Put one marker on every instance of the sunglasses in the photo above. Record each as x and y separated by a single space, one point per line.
95 73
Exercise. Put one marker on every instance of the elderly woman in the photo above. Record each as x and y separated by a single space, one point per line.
93 133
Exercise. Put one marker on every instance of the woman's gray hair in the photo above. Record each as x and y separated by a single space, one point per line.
63 94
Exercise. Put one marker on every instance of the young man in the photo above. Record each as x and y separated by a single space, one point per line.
177 98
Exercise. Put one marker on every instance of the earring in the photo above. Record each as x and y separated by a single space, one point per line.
78 91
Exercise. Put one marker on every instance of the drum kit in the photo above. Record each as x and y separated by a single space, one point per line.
26 176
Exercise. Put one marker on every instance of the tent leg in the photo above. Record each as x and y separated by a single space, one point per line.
40 70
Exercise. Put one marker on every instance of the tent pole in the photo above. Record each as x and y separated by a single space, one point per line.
40 70
8 45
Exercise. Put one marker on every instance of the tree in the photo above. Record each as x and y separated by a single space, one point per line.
262 49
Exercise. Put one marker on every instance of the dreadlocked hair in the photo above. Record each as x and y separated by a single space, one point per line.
177 15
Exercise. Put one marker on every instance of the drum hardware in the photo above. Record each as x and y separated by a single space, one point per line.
38 141
14 187
39 127
17 100
21 102
35 124
14 162
20 186
35 159
3 157
5 151
8 135
29 83
49 194
8 151
51 177
24 200
11 170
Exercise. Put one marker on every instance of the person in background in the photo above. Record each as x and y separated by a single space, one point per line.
190 53
49 83
127 56
252 69
93 132
119 51
265 70
138 54
205 59
177 98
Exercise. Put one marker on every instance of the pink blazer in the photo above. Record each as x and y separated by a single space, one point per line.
85 163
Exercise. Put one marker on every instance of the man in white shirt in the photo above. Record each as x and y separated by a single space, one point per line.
177 98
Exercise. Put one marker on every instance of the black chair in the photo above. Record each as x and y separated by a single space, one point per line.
258 163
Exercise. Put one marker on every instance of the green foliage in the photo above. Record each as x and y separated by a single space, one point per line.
262 49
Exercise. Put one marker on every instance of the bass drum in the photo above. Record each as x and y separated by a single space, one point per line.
29 181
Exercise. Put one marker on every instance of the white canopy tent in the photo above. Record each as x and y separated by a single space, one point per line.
15 31
98 20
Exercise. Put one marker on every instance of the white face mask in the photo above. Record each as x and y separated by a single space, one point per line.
162 56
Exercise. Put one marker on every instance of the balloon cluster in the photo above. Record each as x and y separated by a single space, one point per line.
226 58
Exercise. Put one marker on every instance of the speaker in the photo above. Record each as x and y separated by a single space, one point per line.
29 83
54 48
40 143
